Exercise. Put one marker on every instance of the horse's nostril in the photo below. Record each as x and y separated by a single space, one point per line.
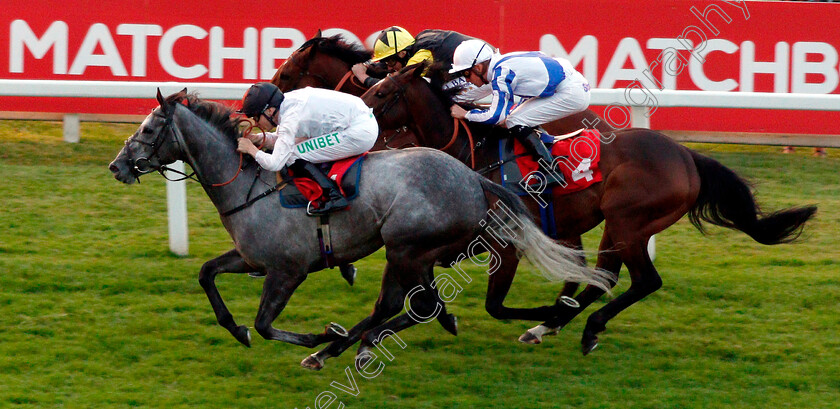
113 168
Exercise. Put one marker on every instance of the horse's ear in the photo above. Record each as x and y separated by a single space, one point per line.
420 68
160 97
318 34
182 95
163 106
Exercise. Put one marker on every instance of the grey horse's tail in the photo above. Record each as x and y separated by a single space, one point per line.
511 221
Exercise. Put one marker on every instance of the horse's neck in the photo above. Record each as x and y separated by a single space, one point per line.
433 124
435 128
213 157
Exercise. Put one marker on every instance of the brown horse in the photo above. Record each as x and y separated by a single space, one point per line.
325 62
649 182
322 62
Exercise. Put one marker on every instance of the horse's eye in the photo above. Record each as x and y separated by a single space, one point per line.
379 95
147 130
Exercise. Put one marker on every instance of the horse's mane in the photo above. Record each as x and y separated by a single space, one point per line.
338 47
218 115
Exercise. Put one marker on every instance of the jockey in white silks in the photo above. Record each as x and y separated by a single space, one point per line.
313 125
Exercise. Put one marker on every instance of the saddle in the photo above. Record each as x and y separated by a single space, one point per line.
576 157
296 192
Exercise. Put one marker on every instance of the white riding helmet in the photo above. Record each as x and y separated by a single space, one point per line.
469 53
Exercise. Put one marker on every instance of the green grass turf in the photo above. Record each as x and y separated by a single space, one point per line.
96 313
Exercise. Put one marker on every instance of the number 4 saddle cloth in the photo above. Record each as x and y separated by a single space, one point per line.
576 159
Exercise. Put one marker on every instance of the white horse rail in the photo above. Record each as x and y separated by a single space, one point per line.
639 101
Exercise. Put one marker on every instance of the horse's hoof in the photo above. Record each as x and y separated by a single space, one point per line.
336 330
588 344
312 362
363 356
243 335
348 271
449 322
529 338
534 335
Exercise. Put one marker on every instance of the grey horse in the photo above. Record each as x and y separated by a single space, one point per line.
421 204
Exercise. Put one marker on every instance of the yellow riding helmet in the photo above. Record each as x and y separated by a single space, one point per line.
391 41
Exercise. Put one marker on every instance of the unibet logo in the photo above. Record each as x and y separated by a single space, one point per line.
318 143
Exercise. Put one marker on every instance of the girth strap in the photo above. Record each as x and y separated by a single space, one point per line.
325 240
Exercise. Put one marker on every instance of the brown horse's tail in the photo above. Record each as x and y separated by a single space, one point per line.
726 200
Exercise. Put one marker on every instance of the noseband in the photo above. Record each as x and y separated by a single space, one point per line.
142 165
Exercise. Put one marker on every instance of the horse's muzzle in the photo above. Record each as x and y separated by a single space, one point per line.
122 172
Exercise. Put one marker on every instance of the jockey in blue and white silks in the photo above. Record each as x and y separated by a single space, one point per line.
550 89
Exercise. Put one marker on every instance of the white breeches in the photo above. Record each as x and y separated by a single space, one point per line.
357 139
571 97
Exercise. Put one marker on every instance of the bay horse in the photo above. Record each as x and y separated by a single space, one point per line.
322 62
649 182
325 62
420 204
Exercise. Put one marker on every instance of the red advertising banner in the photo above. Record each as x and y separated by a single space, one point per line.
678 44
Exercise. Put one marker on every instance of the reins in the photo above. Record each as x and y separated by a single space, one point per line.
343 80
239 170
455 124
163 168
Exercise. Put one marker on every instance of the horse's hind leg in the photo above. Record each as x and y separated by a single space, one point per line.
277 289
570 288
608 260
413 272
424 305
230 262
388 304
644 281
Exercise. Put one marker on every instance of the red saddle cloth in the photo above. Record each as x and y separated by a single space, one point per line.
579 166
313 192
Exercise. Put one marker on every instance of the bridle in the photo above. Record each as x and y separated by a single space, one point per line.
143 165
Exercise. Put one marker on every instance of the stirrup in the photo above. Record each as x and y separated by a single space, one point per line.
329 206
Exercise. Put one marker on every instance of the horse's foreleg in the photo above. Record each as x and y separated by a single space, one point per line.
230 262
498 287
608 260
277 289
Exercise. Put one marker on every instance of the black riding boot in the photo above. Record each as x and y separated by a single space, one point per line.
529 138
335 201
